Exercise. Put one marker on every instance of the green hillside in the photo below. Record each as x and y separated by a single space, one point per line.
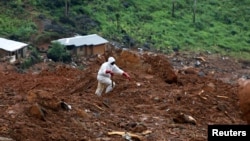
216 26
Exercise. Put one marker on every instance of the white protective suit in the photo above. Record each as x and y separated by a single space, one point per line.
104 78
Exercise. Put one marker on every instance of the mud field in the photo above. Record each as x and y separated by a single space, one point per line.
169 98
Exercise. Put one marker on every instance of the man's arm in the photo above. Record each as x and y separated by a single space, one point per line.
117 70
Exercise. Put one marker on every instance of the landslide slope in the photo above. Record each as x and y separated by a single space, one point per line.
152 105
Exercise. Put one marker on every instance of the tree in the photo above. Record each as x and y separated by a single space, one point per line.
117 16
67 4
173 8
194 11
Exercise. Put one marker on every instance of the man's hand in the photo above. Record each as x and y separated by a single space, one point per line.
126 75
110 72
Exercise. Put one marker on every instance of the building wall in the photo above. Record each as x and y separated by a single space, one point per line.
21 53
3 53
24 52
100 49
79 50
74 51
89 50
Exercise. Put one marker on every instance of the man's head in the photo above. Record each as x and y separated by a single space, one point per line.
111 60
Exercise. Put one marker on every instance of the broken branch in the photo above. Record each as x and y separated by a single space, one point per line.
94 105
219 96
124 133
3 105
202 91
201 58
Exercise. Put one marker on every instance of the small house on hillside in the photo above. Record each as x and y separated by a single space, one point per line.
12 49
85 45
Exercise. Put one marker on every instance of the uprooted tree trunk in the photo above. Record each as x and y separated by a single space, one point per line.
67 3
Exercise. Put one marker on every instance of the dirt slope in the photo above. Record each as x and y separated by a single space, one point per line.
153 105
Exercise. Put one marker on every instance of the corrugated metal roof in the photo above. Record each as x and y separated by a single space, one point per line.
77 41
10 45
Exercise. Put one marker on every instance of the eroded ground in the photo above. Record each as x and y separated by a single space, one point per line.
152 105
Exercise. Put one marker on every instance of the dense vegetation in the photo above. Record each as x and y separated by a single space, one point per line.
58 52
220 26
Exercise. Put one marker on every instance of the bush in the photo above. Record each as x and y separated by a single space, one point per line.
33 59
45 37
58 52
